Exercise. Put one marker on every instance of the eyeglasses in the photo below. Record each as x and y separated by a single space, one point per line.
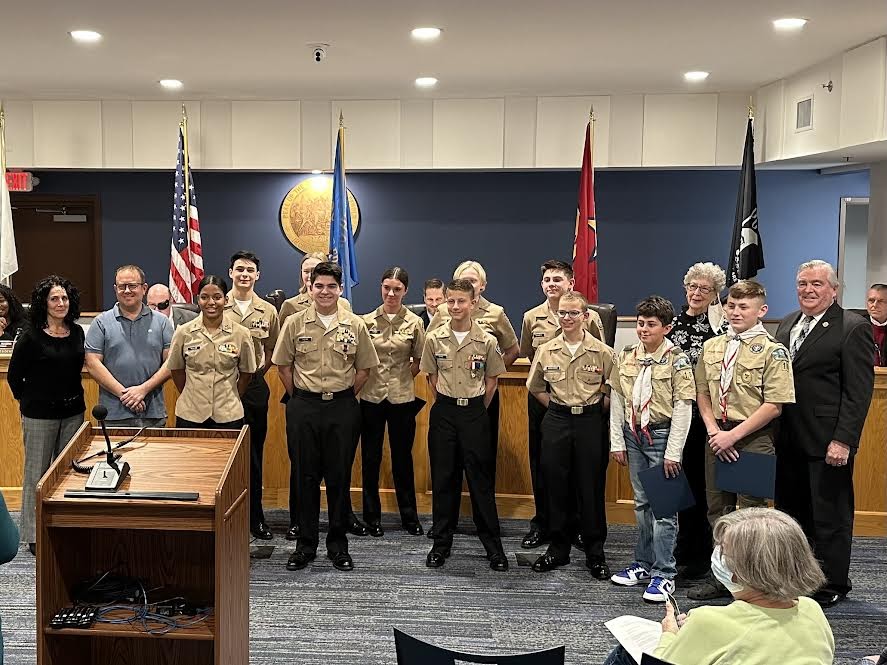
704 290
123 288
161 305
569 314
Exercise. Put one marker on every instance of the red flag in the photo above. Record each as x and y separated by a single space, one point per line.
585 239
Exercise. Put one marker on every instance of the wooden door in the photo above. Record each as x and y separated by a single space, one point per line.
62 236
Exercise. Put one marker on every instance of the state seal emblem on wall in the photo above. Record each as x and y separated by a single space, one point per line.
305 214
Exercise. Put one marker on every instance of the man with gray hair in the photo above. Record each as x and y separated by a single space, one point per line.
831 352
160 300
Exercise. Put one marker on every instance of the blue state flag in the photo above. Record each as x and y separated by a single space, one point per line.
341 233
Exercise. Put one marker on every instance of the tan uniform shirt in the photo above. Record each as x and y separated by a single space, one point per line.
763 373
213 364
489 316
324 360
461 368
261 321
542 325
398 341
579 380
300 302
672 379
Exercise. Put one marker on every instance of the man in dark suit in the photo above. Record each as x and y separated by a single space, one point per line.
433 295
831 351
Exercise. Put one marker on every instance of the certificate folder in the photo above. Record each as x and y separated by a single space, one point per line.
667 496
753 474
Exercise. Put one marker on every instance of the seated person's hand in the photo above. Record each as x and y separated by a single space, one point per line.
670 621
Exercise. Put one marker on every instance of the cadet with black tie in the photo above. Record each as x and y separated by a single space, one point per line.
323 357
462 364
541 325
568 378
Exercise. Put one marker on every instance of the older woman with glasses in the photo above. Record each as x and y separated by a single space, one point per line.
699 321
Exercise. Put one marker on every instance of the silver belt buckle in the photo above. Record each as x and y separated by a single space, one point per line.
577 410
326 397
461 401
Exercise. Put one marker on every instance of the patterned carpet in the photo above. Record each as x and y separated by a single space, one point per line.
319 615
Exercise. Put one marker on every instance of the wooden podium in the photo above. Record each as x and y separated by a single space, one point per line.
195 549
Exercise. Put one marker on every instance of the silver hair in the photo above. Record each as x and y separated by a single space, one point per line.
708 271
767 551
817 264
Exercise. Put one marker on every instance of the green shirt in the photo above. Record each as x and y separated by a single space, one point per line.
745 634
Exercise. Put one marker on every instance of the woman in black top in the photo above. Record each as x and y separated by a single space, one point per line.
44 375
698 321
12 314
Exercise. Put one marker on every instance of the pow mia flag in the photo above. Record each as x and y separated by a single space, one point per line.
746 249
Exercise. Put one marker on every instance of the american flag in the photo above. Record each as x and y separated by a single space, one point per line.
186 253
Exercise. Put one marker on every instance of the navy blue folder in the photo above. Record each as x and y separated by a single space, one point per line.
667 496
753 474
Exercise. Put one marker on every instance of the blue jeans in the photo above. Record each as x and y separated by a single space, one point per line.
619 656
656 537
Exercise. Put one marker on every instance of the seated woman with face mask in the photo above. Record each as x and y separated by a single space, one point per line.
763 558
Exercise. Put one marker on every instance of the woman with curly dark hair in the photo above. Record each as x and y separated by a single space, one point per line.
44 375
12 314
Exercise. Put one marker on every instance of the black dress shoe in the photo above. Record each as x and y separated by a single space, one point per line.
533 539
579 542
548 562
599 569
828 598
431 533
32 548
437 558
375 530
341 561
413 528
261 531
499 563
357 528
299 560
293 532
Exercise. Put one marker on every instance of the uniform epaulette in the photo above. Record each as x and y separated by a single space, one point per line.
629 347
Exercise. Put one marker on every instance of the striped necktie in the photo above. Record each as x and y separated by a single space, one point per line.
802 336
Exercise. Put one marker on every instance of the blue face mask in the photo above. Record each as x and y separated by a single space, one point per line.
723 574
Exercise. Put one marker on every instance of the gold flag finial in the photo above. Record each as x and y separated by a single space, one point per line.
341 120
751 107
591 117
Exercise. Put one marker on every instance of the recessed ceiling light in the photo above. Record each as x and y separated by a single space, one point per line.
85 36
789 23
426 82
316 171
171 84
425 34
695 76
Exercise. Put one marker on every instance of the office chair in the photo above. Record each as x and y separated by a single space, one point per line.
411 651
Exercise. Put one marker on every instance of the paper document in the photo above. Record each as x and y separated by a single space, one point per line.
637 636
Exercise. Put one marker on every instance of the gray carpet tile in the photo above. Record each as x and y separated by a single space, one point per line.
319 615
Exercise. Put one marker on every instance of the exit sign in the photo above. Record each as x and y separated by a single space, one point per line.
19 181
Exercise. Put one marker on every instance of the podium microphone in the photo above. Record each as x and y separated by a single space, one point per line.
108 475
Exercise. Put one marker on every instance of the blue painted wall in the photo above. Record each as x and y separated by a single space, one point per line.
652 225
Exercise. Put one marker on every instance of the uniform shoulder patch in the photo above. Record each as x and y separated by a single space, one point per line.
681 362
779 353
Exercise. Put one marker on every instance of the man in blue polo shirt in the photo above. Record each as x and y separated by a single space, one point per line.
126 350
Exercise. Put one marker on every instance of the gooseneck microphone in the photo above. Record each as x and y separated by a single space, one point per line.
108 475
99 412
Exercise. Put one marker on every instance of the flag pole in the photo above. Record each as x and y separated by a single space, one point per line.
591 121
2 141
186 167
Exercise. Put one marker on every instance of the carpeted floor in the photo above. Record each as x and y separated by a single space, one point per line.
319 615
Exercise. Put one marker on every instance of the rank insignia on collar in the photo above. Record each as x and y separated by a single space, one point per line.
757 348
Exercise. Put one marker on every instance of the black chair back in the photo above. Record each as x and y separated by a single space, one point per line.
416 309
276 298
411 651
607 312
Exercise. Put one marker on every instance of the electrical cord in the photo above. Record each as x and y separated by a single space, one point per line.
80 467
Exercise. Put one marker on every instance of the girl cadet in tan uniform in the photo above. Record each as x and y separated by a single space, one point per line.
212 361
389 397
303 298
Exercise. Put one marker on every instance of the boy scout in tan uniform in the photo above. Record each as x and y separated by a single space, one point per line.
260 318
213 364
463 375
742 379
323 357
568 378
541 325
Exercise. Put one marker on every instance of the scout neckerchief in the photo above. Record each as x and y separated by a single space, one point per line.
728 363
642 392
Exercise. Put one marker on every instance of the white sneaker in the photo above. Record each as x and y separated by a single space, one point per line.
631 576
658 590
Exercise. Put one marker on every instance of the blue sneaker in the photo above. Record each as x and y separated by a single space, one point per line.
658 590
631 576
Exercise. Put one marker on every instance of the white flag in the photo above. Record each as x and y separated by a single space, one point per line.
8 256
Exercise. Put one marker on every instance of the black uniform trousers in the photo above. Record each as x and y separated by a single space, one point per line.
320 436
575 454
694 542
820 497
401 420
493 417
255 414
209 423
459 439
